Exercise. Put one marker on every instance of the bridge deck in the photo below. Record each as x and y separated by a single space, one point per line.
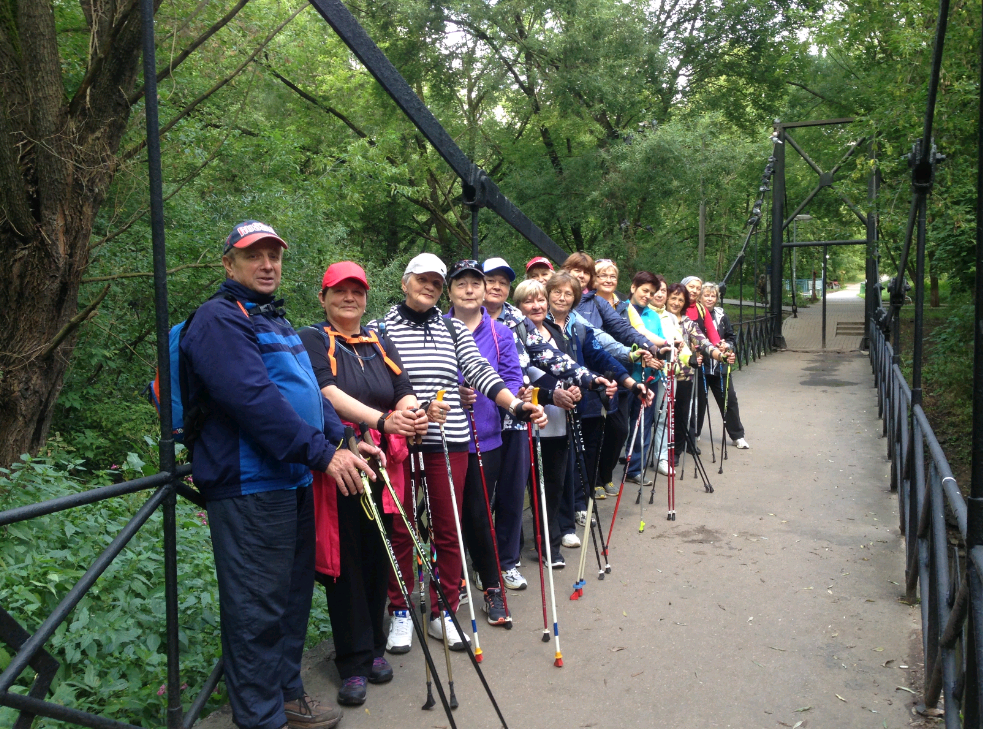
777 592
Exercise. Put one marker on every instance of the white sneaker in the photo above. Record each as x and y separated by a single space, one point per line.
581 518
400 632
437 628
741 444
664 468
513 580
476 582
570 540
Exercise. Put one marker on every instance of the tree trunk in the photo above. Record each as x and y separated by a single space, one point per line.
57 159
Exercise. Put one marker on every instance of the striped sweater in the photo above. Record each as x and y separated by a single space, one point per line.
432 361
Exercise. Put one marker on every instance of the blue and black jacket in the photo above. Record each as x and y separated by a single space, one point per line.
269 425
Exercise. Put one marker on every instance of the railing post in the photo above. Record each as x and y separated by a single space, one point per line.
777 234
166 447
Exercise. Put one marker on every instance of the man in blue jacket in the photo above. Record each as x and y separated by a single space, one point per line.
266 427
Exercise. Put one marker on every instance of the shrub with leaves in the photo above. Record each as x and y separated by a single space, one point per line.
112 646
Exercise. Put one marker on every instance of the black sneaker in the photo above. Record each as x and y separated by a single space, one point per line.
381 672
352 691
495 607
558 562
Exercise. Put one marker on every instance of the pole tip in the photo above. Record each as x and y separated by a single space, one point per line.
559 660
574 595
478 655
546 636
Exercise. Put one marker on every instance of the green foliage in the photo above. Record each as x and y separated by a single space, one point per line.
111 647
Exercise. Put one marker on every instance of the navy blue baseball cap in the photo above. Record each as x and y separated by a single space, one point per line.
248 232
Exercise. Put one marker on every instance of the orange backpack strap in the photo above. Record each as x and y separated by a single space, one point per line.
331 358
373 338
370 338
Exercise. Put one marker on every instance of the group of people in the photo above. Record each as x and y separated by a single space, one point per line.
444 403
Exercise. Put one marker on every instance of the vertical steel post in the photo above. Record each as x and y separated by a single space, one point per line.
917 350
474 232
777 234
825 258
870 294
166 447
973 702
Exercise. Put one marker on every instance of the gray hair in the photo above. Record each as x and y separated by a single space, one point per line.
527 289
711 286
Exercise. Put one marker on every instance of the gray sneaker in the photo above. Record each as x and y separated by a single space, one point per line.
513 580
638 479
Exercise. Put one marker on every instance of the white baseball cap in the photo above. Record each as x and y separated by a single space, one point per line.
499 265
426 263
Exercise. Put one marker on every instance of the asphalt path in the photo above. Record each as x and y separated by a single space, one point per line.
772 602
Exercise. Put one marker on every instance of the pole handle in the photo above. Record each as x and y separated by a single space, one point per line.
440 395
535 396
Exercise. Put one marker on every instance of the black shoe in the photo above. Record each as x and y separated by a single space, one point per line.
381 672
352 691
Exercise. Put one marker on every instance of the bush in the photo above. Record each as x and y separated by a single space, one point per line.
111 648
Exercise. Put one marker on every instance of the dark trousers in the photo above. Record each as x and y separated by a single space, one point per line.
715 384
568 504
615 434
357 598
512 478
555 459
699 382
681 412
264 560
474 516
591 428
444 527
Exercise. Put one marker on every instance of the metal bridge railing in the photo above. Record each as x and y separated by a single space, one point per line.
754 339
933 516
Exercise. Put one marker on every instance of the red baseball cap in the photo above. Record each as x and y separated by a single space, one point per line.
338 272
539 261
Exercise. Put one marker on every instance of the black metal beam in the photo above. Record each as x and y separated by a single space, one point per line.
62 713
819 123
807 243
777 236
479 189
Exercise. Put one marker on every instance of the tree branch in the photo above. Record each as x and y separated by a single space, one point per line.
212 30
74 323
148 274
820 96
133 151
99 61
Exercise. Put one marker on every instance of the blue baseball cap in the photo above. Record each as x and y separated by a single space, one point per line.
498 265
248 232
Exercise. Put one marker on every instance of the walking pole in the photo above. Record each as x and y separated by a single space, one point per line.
491 523
723 436
558 658
535 516
573 421
434 579
460 537
706 396
372 512
624 475
687 445
657 447
442 604
671 437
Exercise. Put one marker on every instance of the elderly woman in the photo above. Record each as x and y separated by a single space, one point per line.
466 291
563 291
433 350
363 378
714 374
531 297
696 347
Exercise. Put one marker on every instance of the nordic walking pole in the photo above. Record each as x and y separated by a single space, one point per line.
723 436
621 489
372 511
429 703
558 659
657 447
491 523
442 605
671 438
573 417
460 537
706 396
435 581
535 516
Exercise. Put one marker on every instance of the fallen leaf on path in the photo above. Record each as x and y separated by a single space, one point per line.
637 674
903 688
624 613
760 666
776 649
804 708
721 607
615 650
841 698
683 624
797 724
888 662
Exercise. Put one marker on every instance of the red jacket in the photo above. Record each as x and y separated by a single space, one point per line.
696 312
327 554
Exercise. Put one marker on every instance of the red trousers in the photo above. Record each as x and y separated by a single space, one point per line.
444 524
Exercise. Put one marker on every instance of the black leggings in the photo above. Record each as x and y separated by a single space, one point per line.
684 393
615 435
715 384
555 459
474 515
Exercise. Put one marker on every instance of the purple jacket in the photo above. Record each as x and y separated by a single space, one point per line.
497 345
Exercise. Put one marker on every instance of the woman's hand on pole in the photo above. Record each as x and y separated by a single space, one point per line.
437 411
404 422
526 412
468 396
367 450
610 386
731 357
564 398
524 393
